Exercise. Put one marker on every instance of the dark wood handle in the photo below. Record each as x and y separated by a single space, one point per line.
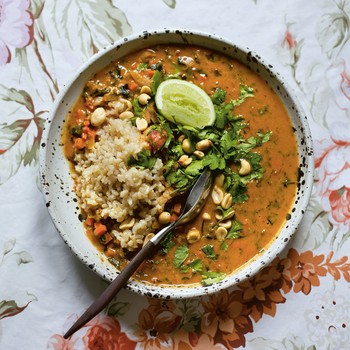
100 303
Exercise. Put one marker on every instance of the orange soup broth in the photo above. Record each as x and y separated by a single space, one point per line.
270 199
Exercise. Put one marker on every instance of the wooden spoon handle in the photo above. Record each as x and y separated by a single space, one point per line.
100 303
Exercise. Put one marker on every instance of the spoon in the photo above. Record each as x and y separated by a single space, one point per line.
193 205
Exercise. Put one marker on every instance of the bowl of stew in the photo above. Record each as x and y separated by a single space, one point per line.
116 168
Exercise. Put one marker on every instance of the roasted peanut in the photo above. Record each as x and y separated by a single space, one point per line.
227 224
193 235
185 160
141 124
245 168
203 145
146 90
126 115
128 223
98 117
147 238
220 233
199 154
144 98
186 146
217 195
219 180
226 201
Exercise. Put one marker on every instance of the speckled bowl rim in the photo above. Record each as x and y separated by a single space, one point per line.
50 152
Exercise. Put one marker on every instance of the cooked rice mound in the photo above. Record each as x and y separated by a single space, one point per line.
108 188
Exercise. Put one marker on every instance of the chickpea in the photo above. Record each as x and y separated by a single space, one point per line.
164 218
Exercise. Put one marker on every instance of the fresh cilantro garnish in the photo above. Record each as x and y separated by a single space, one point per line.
167 243
219 96
196 265
235 230
208 250
181 254
156 80
143 159
142 66
210 277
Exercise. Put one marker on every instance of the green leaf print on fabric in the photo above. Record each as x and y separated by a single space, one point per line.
333 30
20 138
170 3
89 25
9 308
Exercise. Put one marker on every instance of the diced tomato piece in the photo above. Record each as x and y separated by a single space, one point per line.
150 73
157 139
132 85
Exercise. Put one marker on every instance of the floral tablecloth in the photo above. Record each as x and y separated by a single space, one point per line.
300 301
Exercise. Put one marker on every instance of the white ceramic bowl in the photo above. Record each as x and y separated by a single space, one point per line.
57 183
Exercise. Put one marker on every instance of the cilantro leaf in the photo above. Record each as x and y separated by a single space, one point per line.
219 96
143 159
235 230
210 277
196 265
167 243
244 93
208 250
156 80
181 255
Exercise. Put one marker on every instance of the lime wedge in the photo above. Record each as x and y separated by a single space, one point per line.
183 102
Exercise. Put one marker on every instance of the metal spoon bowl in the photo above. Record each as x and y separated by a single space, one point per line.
193 205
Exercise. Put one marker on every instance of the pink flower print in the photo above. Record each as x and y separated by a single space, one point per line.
292 46
339 80
332 159
16 27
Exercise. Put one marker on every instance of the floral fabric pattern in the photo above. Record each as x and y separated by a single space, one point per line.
299 301
16 27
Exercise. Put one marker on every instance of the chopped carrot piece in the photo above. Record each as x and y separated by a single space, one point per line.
89 221
100 228
79 143
132 85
